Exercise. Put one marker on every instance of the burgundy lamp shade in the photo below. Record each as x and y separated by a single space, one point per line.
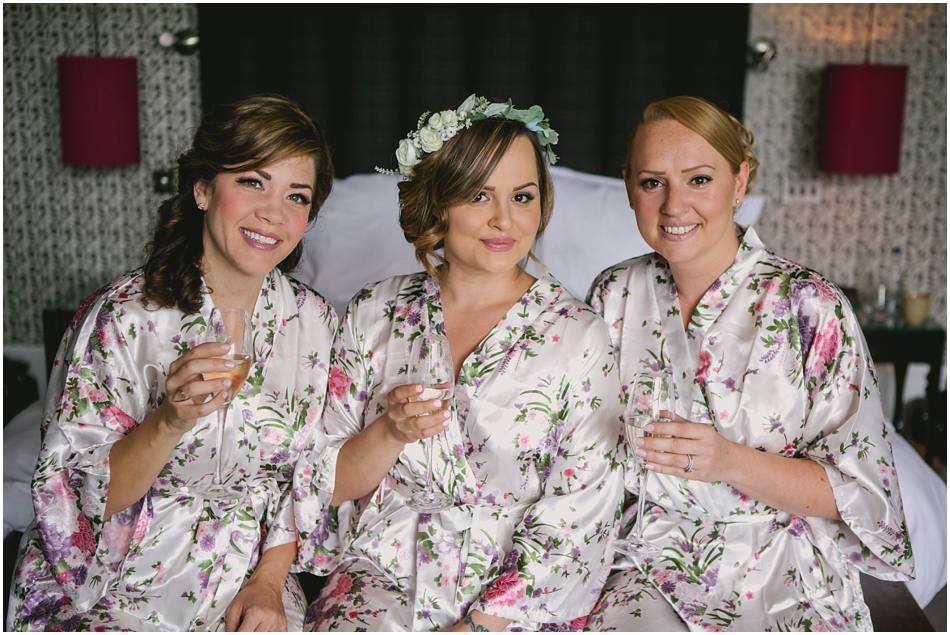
863 119
99 110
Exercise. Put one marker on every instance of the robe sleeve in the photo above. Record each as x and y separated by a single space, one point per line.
845 433
316 323
97 394
559 559
322 528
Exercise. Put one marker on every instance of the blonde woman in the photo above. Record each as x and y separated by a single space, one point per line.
775 484
528 451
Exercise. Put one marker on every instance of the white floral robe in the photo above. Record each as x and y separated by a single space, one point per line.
774 359
175 559
530 459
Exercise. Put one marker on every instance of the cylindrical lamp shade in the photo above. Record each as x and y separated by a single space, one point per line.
99 110
864 118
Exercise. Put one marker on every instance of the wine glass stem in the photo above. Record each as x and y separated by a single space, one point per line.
641 503
431 442
222 420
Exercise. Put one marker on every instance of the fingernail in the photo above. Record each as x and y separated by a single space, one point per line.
447 415
230 364
227 382
437 403
648 427
638 443
641 453
418 388
649 466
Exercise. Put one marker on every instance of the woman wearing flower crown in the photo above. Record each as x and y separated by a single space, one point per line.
527 452
775 485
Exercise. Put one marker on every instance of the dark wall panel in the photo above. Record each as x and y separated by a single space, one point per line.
367 72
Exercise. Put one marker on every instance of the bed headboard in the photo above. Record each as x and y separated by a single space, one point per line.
55 322
357 240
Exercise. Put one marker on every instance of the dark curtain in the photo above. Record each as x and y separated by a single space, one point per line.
366 72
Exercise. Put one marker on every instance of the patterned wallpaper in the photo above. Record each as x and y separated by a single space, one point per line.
850 234
68 230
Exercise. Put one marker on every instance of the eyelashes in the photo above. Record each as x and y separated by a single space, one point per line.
257 184
520 197
650 184
250 181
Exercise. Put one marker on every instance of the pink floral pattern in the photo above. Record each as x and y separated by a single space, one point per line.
339 383
774 358
175 559
530 459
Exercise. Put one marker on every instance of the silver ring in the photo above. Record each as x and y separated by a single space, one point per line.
689 463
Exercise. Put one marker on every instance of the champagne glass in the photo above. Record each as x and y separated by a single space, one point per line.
650 399
430 364
234 327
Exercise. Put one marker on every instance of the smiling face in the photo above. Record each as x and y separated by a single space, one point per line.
684 193
254 219
496 229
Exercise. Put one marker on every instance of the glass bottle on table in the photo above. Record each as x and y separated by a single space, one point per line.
430 364
232 326
650 398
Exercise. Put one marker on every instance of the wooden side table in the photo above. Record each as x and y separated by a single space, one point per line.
903 345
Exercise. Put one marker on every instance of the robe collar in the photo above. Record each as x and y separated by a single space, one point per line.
717 296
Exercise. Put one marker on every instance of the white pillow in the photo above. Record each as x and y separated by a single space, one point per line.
21 446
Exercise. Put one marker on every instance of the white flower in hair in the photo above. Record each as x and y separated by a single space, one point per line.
430 139
406 155
449 119
433 131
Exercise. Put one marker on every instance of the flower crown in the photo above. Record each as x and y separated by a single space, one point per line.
432 131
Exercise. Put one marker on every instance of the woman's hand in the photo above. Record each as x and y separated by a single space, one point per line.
187 393
257 607
476 621
680 444
366 458
408 419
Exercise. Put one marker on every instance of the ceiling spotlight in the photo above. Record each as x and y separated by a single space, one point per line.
760 53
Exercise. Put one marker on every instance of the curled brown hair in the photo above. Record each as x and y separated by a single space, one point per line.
721 130
245 135
454 174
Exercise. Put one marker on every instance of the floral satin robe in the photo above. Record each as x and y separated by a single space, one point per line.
774 359
531 459
175 559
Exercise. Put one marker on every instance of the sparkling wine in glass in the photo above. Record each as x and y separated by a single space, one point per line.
234 327
650 398
430 364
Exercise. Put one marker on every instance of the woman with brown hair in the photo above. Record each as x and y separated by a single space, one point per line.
525 452
133 531
774 485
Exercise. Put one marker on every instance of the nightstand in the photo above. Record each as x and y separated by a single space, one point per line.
903 345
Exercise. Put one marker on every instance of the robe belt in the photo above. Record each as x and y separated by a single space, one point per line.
466 517
227 500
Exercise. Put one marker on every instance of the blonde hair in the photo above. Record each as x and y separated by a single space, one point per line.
454 174
721 130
